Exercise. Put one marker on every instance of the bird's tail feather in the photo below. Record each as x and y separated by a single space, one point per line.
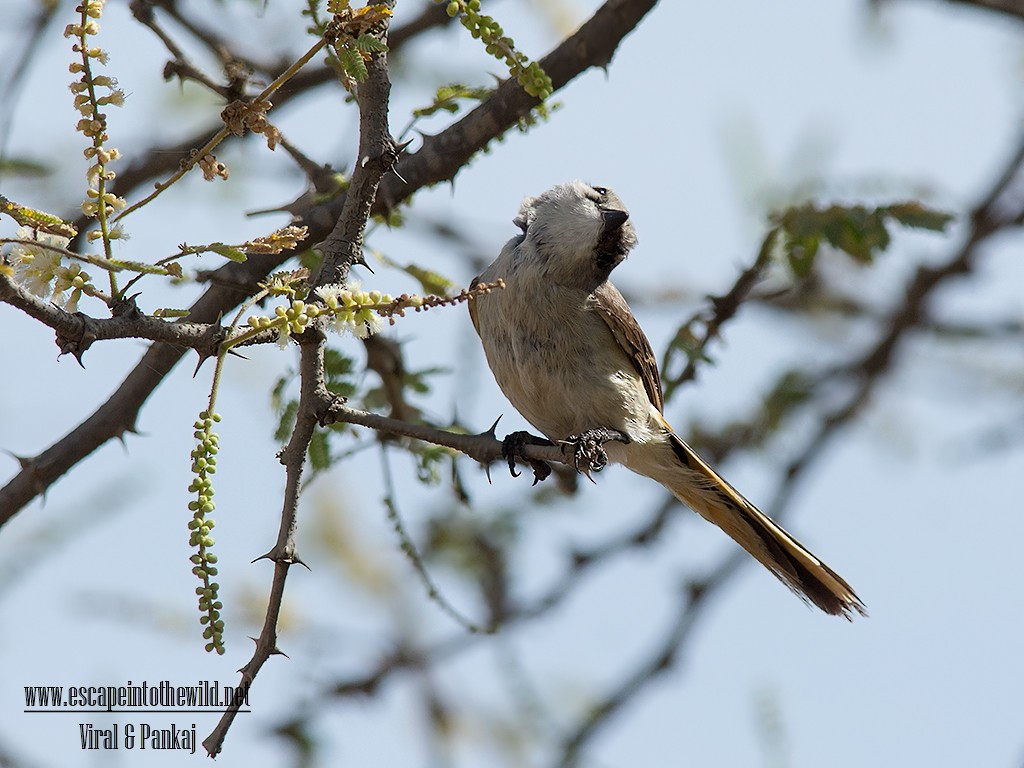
703 490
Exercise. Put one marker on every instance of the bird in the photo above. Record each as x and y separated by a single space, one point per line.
567 352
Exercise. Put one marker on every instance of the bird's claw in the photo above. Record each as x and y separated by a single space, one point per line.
512 450
588 453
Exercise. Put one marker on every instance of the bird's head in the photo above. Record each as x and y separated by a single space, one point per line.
579 232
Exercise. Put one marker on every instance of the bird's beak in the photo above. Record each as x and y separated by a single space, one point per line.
613 219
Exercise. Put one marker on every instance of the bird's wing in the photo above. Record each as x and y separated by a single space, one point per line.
471 303
614 310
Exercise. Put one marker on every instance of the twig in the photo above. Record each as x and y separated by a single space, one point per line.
723 309
283 554
160 161
1008 7
76 331
591 46
991 215
223 132
374 142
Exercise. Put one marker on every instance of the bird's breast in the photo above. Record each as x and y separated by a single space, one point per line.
557 361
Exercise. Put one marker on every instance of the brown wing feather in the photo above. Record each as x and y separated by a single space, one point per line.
614 310
471 303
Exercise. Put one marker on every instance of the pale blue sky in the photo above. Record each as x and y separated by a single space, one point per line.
706 112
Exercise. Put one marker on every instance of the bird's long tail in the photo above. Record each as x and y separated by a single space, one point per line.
701 488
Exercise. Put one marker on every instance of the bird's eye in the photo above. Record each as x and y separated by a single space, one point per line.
600 190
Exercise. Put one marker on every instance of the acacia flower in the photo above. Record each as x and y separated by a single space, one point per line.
352 310
36 267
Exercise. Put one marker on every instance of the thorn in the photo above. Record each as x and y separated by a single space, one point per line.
125 306
487 473
203 357
24 461
491 432
275 651
361 261
133 281
76 353
296 560
268 556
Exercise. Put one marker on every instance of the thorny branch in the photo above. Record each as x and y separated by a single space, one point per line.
440 158
721 310
592 45
76 331
162 160
996 212
344 248
1001 208
283 554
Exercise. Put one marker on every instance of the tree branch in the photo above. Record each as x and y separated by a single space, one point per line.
592 45
76 331
283 554
163 160
1008 7
377 147
118 414
994 213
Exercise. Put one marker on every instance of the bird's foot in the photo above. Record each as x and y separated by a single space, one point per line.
512 449
588 453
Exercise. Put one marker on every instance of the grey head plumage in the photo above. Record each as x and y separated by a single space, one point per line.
579 232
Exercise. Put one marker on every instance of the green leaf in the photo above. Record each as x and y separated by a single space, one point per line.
369 44
319 450
448 96
792 389
287 421
228 252
913 214
30 217
800 253
860 232
417 380
165 312
339 369
17 166
430 460
353 63
432 282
